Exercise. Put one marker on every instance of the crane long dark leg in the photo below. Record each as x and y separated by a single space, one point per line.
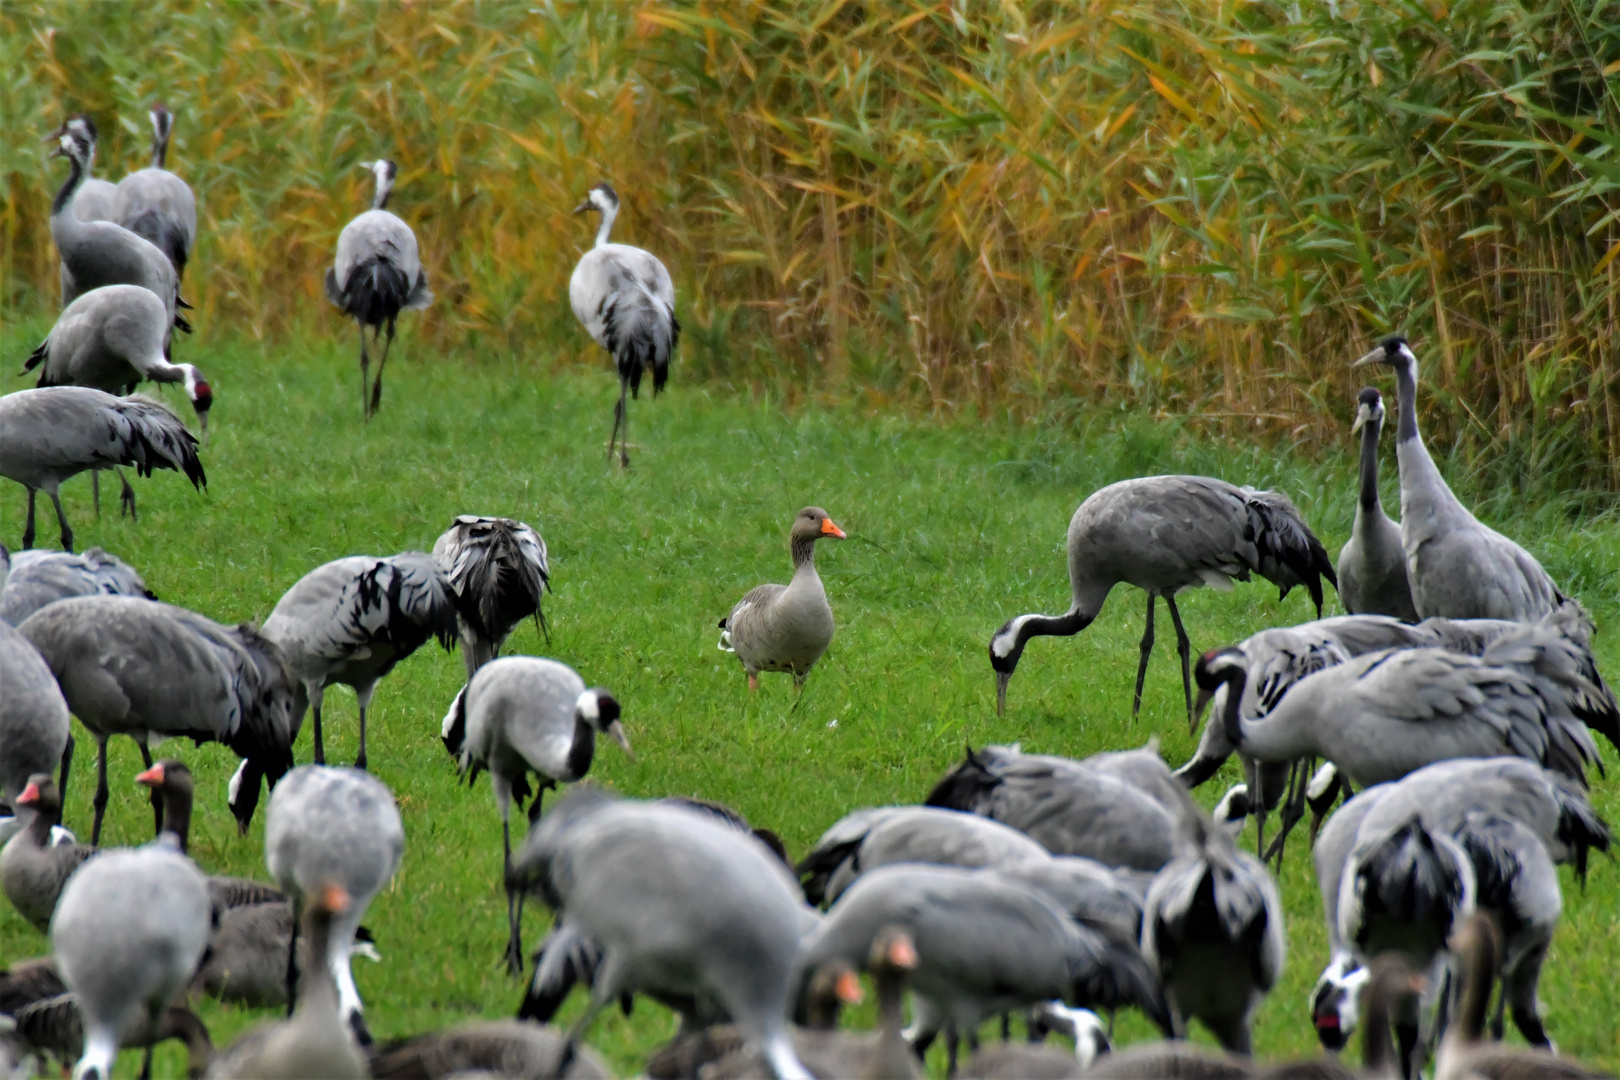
95 491
1147 651
365 373
67 764
61 519
126 497
364 697
514 904
1184 649
316 700
100 800
376 387
620 420
157 800
28 526
146 1063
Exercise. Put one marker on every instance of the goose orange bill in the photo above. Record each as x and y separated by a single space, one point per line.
152 777
29 796
902 953
334 898
829 529
848 988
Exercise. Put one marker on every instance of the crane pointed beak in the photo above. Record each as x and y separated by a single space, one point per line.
1200 703
1002 679
366 165
1363 414
616 730
1374 357
582 207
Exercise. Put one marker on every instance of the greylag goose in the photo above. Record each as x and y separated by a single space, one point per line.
1372 565
523 714
503 1048
785 627
171 780
32 869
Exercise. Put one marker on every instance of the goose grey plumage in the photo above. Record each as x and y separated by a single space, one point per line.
1457 566
866 839
1212 926
786 627
1372 564
34 735
519 715
377 274
53 434
1165 534
40 577
33 870
156 204
135 667
624 298
332 825
498 573
247 956
505 1048
985 945
316 1040
97 253
1384 714
1070 807
679 903
351 620
129 931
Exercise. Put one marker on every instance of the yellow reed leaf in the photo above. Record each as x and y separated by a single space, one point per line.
1182 105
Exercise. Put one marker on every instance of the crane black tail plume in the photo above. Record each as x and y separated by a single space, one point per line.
375 292
565 958
164 234
1290 554
641 333
965 787
155 438
1410 878
36 358
1580 829
1110 974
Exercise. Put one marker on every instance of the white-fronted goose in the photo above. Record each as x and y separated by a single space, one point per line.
786 627
1372 565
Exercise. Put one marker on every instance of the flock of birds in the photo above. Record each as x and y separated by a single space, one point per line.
1454 709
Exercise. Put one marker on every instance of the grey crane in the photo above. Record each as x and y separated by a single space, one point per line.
498 572
135 667
679 903
1213 927
93 200
1464 1053
625 300
130 929
519 715
34 735
333 826
1070 807
487 1047
1164 534
33 869
51 435
866 839
156 204
985 945
351 620
1372 563
40 577
377 274
786 627
315 1040
97 253
1106 899
1457 566
1384 714
171 780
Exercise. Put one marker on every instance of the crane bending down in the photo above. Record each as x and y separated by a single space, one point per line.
624 298
1164 534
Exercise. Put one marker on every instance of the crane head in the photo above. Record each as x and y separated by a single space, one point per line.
1006 646
1369 409
1392 350
601 198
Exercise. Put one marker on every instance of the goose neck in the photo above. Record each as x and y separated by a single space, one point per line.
803 550
1369 464
893 1055
317 992
1478 964
177 815
606 227
39 827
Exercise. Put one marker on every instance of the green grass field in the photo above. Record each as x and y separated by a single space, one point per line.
951 530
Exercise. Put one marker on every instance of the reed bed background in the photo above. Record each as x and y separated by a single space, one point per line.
1175 206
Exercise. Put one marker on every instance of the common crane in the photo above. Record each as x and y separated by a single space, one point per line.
377 274
156 204
40 577
1372 564
1164 534
93 200
498 572
624 298
1457 566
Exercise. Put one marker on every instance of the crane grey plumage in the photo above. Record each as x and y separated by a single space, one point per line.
867 839
351 620
34 734
1212 925
332 825
40 577
1103 898
519 715
985 945
498 573
624 298
1372 564
377 274
93 200
129 931
1381 715
135 667
786 627
1069 807
51 435
97 253
1457 566
1164 534
156 204
678 903
33 868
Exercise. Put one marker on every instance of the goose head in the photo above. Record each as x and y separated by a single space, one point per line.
833 986
600 709
812 523
41 796
1369 410
385 171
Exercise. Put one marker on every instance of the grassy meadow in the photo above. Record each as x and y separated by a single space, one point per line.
952 528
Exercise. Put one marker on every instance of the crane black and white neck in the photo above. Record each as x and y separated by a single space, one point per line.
155 203
377 274
93 200
624 298
1372 565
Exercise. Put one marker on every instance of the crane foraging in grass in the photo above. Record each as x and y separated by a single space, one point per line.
1164 534
624 298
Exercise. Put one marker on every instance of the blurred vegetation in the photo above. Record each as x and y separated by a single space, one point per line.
1167 206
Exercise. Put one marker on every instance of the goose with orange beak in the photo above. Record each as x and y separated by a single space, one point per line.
786 627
